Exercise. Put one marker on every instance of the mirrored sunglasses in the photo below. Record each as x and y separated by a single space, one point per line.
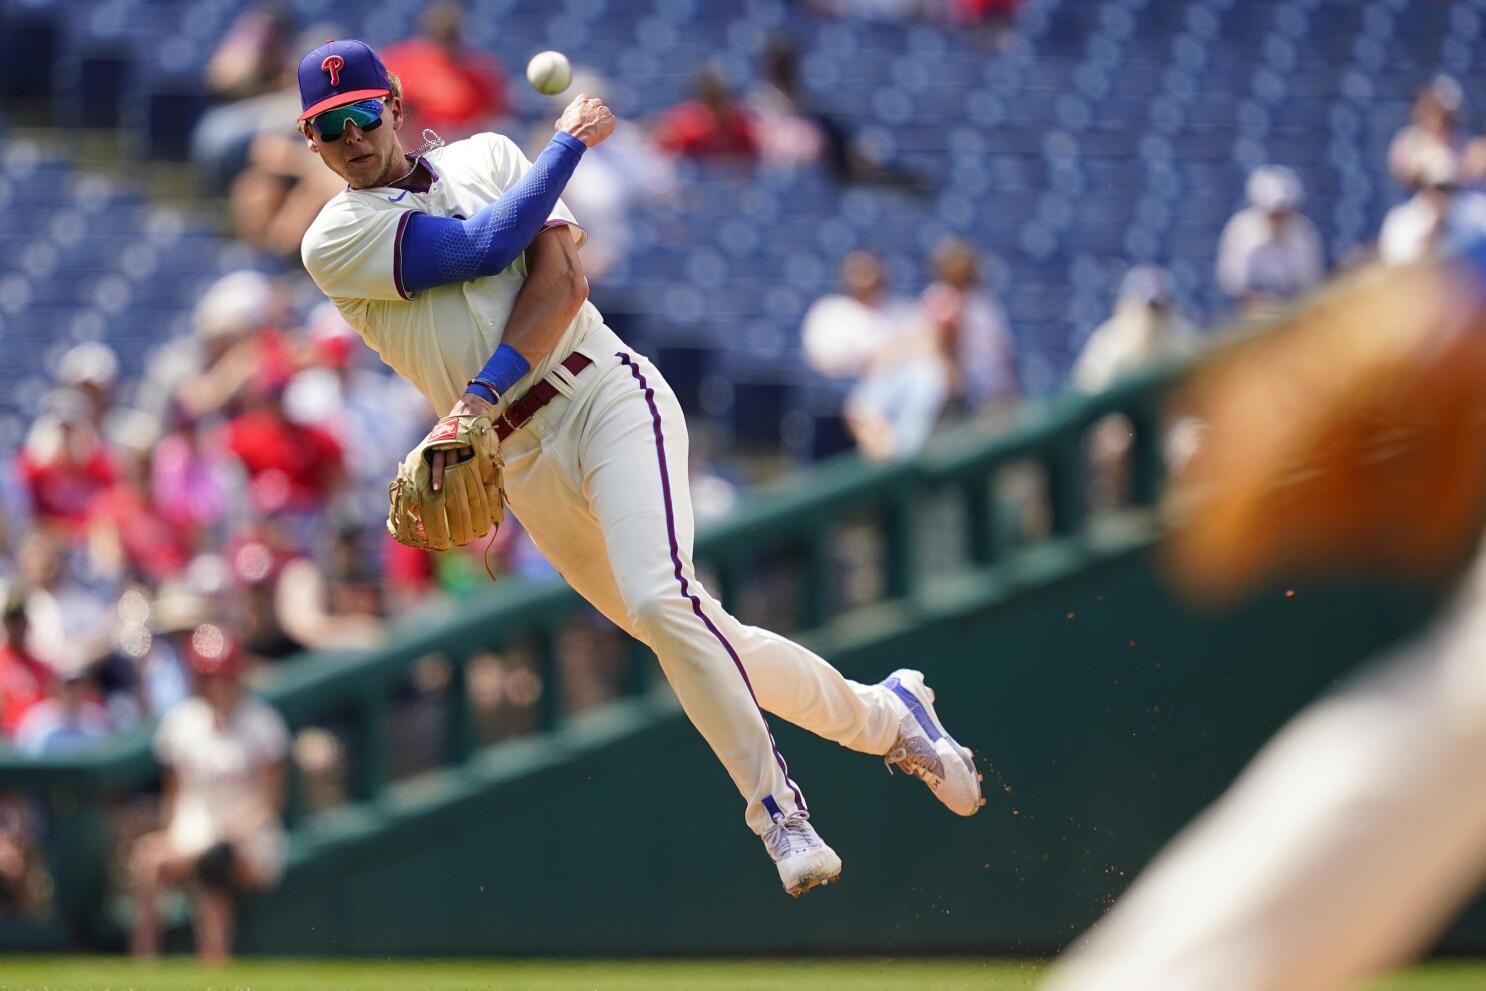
366 115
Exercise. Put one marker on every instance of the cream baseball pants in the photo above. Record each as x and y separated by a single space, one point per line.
598 477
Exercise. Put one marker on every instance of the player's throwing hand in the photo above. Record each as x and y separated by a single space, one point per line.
587 119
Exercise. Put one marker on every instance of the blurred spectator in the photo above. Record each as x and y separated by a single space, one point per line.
253 53
375 417
1415 229
291 467
223 755
115 665
410 574
447 85
92 369
714 125
1436 217
25 679
979 352
68 613
1269 251
792 130
237 334
1433 136
881 342
64 464
1146 329
788 132
127 534
623 174
250 149
258 559
251 73
164 672
843 333
337 605
195 484
276 197
71 720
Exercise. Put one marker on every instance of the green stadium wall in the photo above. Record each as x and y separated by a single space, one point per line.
1104 713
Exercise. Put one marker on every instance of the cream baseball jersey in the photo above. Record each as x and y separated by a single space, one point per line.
437 338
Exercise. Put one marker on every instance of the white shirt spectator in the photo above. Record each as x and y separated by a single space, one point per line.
1270 250
217 770
843 335
1135 337
1429 223
1412 229
1257 258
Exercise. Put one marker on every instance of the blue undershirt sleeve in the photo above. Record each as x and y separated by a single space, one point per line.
438 251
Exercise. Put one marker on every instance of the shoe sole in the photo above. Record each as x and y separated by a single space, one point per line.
926 701
812 883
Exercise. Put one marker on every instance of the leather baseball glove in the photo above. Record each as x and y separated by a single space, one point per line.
1350 434
470 500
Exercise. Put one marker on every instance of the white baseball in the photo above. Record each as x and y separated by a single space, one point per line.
549 72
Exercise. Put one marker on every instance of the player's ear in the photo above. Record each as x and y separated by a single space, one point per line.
309 139
394 104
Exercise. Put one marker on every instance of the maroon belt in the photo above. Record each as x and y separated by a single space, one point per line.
536 397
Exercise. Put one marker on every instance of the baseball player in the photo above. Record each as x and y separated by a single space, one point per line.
460 267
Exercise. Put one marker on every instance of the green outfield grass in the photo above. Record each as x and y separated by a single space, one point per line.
114 974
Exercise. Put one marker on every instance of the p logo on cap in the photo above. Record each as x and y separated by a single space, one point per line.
339 73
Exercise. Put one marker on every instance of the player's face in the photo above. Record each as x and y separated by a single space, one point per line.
365 158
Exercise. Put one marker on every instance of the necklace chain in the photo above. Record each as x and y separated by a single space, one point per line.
404 176
431 140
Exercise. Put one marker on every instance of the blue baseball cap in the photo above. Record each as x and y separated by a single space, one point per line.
338 73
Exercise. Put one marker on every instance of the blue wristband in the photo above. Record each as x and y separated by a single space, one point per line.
483 391
504 369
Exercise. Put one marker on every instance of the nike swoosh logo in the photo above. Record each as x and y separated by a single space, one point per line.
398 197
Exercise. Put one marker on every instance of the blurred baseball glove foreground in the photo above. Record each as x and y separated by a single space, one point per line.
468 504
1350 434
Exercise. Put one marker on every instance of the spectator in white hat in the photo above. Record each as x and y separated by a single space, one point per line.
92 369
1145 329
1269 251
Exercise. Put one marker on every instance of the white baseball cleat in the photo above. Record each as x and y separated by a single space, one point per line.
803 859
925 749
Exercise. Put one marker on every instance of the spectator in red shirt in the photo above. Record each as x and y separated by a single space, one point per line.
714 125
64 464
291 467
448 86
128 534
25 679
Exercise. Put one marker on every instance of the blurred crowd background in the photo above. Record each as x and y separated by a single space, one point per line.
834 224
